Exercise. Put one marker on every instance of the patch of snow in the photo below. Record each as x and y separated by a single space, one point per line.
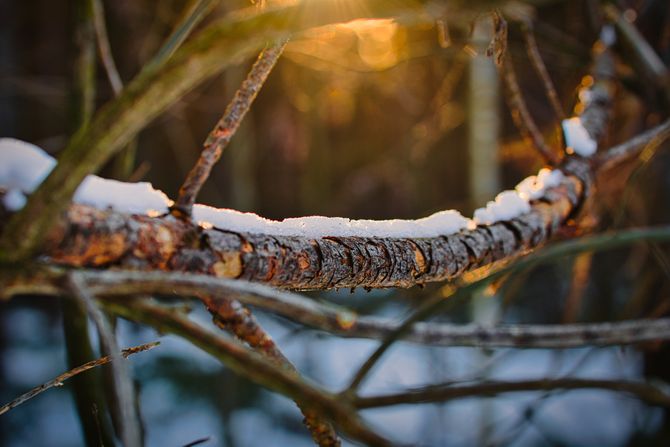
510 204
441 223
507 205
578 138
533 187
23 165
14 200
134 198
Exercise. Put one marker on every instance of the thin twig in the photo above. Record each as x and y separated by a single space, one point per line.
541 69
123 386
633 147
251 365
125 159
227 126
192 14
104 49
439 393
58 381
232 316
522 118
581 272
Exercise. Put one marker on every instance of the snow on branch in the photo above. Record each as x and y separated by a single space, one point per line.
26 165
310 252
583 131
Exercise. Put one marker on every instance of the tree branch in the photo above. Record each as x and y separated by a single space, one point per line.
625 151
521 115
441 393
540 68
343 322
104 48
252 366
123 387
346 323
223 132
232 316
89 237
58 381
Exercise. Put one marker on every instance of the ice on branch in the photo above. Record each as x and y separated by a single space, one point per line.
578 138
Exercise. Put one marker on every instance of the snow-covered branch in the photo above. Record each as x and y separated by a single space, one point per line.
309 253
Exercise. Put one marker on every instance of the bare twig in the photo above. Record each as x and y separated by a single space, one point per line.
520 114
83 88
441 393
232 316
252 366
190 17
123 386
633 147
58 381
581 271
224 130
125 159
541 69
346 323
343 322
104 48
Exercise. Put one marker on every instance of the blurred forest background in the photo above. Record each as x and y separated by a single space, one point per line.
364 120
